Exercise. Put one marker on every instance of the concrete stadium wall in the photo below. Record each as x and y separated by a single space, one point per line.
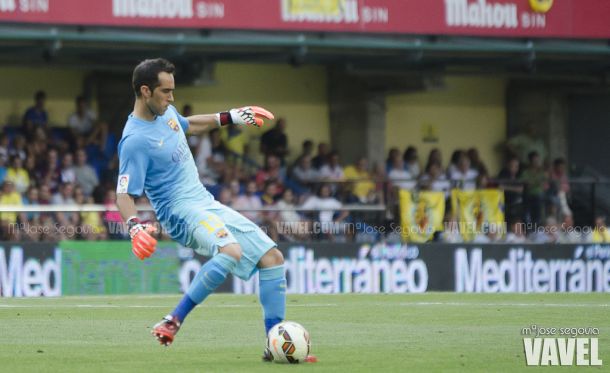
61 85
469 111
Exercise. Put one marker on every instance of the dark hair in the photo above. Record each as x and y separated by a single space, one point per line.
40 95
147 73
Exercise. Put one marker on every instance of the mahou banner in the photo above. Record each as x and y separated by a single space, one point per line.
503 18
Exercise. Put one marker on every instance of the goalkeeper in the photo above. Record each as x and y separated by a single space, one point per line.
154 158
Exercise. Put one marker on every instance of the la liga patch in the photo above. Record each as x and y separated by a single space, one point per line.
122 184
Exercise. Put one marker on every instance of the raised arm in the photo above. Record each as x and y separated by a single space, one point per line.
244 116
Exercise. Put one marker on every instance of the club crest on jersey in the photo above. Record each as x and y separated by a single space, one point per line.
222 233
173 124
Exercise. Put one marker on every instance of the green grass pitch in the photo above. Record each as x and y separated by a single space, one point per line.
350 333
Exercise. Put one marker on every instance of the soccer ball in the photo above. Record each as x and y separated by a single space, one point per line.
288 342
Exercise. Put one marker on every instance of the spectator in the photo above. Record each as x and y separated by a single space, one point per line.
36 117
50 173
202 152
113 219
8 220
81 121
67 169
304 174
211 155
275 142
559 188
272 172
569 233
18 175
31 219
306 151
434 179
435 156
49 231
249 203
535 181
101 147
236 188
30 167
526 142
516 233
462 176
4 147
451 234
362 187
453 162
600 232
411 161
37 146
509 181
322 157
332 171
549 233
84 173
392 154
3 170
92 226
19 148
297 226
65 196
399 176
225 196
270 218
327 207
475 161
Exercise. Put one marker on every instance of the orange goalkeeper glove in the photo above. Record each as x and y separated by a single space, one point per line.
244 116
143 244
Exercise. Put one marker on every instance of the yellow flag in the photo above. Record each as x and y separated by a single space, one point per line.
421 214
478 211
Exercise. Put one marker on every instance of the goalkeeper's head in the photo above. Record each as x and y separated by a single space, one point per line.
153 83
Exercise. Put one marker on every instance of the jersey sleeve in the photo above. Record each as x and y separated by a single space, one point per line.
133 163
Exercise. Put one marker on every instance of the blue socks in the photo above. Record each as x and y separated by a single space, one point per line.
272 293
210 276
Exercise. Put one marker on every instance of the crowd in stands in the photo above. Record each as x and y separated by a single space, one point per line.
78 164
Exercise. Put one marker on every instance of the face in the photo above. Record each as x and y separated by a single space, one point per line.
163 95
81 157
513 166
325 191
251 188
33 194
271 190
288 196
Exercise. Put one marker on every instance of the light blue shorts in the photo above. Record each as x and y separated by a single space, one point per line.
219 225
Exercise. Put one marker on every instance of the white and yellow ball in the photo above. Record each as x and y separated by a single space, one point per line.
288 342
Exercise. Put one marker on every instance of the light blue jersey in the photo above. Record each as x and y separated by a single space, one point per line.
155 158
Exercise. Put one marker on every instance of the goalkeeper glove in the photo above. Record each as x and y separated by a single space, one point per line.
244 116
143 244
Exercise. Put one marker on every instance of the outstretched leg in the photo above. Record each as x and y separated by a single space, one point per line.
210 276
272 291
272 288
